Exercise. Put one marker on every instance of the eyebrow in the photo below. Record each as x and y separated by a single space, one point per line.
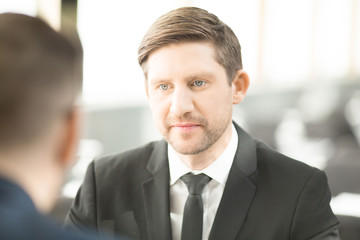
191 77
159 81
201 75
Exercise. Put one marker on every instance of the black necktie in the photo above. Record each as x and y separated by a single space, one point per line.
192 224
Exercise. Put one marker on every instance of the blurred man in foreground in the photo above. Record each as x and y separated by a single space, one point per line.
39 83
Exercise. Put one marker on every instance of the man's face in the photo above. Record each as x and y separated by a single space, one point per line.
189 95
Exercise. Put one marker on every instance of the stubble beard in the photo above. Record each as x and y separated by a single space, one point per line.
208 138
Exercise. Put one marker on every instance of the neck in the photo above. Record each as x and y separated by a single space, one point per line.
203 159
37 180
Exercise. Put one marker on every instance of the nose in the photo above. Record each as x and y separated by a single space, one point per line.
182 102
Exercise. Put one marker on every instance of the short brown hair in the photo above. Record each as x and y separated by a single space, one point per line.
189 24
38 80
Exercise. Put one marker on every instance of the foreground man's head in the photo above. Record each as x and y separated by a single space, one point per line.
38 120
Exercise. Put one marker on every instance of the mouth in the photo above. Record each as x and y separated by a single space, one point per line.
185 126
180 125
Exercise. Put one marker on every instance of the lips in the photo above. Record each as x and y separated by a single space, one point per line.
185 125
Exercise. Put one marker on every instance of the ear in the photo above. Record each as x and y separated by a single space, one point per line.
240 86
69 142
147 88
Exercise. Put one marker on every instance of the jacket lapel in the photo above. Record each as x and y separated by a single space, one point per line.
239 190
155 190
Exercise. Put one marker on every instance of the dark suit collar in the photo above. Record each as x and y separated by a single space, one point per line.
158 158
155 190
245 157
239 190
12 194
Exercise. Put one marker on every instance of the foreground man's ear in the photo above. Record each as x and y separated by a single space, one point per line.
70 138
240 86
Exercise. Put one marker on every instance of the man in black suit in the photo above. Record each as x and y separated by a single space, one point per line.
38 126
238 188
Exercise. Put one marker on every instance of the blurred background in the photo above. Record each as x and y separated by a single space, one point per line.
303 58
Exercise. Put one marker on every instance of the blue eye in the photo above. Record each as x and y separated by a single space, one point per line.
164 86
199 83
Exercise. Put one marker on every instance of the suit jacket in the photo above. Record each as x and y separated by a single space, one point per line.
19 220
267 196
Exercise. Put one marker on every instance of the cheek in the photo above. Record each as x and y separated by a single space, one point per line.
215 100
156 119
219 107
159 111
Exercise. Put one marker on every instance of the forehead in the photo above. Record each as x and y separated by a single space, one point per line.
181 59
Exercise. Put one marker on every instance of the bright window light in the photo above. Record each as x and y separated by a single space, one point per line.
110 32
284 43
19 6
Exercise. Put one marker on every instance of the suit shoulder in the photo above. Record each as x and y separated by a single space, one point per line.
287 177
272 160
136 157
126 169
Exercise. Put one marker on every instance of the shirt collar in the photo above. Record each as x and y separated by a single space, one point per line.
218 170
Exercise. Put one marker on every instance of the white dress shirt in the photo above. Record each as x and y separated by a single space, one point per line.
212 193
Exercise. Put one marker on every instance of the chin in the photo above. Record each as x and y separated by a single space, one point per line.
189 148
